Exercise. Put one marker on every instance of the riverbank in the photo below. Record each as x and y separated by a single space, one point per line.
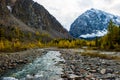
9 61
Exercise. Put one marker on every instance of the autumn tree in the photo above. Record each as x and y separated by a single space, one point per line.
112 39
110 33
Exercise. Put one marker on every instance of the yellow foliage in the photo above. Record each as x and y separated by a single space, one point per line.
8 44
30 45
37 33
39 44
63 44
17 44
67 44
2 45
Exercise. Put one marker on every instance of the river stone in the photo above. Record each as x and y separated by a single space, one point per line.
73 76
92 71
103 71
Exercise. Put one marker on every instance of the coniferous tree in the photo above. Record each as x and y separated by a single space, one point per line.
110 33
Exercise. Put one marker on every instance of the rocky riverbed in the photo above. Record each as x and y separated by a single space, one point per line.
77 67
74 66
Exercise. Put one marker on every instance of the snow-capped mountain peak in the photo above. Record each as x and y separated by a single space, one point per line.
92 23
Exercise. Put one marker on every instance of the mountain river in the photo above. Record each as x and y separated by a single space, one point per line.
45 67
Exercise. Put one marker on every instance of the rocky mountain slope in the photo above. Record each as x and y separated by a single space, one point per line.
92 23
30 17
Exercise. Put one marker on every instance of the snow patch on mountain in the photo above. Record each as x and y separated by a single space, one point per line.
118 20
97 34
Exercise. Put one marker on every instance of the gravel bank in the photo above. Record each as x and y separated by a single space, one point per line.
77 67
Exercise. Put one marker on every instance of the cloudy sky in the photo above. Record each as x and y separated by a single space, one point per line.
66 11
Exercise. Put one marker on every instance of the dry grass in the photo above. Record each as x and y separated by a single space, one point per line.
103 56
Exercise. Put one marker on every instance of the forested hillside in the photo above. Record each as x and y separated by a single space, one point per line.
26 24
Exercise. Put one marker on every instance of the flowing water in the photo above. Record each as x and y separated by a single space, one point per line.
43 68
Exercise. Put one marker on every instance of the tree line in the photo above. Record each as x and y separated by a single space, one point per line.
17 40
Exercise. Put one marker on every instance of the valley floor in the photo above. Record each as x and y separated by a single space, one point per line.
75 66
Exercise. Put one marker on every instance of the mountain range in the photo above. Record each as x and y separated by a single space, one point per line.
92 23
30 17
